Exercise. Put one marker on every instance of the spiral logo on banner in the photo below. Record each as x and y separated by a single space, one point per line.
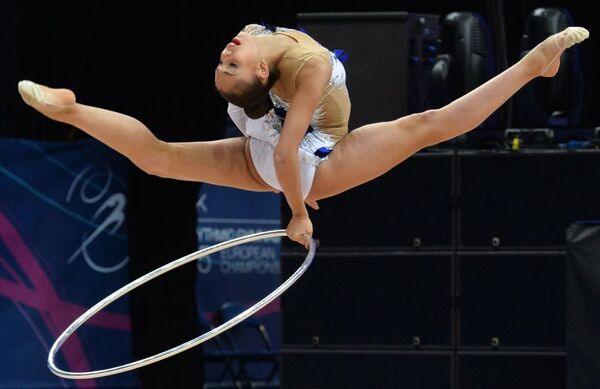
94 187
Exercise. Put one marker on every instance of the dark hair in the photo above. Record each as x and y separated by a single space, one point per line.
254 96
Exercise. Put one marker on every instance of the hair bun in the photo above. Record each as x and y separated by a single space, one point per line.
260 109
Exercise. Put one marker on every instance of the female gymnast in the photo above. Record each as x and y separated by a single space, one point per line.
268 76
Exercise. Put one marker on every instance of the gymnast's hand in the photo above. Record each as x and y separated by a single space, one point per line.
300 230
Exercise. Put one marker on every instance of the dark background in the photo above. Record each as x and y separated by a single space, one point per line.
156 61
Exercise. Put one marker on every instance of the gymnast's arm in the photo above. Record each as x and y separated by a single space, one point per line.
311 81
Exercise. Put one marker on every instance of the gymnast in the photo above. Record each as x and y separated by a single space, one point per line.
287 95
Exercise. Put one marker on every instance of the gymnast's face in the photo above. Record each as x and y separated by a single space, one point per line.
239 64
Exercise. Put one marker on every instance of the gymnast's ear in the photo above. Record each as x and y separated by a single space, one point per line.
263 71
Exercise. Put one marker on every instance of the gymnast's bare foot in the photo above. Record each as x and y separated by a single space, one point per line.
49 101
545 57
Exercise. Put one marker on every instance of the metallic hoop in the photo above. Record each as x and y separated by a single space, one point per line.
190 343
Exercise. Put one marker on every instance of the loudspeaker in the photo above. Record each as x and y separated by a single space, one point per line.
583 305
388 59
525 199
556 101
383 300
408 207
512 300
467 60
512 371
345 369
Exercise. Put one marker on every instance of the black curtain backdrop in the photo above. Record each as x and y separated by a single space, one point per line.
109 50
161 227
126 55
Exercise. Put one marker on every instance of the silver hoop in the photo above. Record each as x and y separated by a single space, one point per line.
193 342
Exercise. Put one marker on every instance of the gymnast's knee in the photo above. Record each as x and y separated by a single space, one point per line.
425 119
424 125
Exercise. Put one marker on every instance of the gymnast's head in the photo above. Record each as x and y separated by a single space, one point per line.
243 77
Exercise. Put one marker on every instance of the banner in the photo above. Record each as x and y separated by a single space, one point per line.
63 248
243 274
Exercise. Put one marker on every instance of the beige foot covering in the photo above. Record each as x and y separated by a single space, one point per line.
37 95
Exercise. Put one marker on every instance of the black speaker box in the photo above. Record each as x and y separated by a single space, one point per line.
556 101
407 206
361 370
512 371
386 68
526 199
513 300
376 301
583 305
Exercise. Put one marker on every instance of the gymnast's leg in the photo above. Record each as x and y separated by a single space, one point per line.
372 150
223 162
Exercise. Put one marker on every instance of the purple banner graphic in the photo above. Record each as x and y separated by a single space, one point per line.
63 247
